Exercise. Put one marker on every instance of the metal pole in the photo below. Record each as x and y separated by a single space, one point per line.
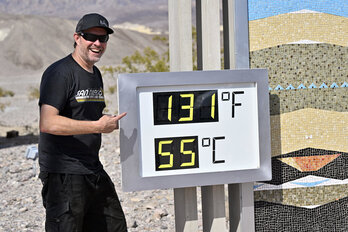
236 55
208 58
185 204
180 35
180 52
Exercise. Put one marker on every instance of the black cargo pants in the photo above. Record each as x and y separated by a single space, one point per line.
81 203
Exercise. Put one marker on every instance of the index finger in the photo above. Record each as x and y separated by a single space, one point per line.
118 117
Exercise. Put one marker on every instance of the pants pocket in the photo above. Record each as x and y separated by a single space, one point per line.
59 218
43 176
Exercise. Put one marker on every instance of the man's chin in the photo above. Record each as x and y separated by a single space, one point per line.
94 59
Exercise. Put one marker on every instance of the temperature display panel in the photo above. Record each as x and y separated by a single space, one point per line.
185 129
185 107
176 153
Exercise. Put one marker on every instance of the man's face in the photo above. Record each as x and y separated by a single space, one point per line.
89 51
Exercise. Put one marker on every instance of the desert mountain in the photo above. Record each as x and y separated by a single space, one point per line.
152 13
30 43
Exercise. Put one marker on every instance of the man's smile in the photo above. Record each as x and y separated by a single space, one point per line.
96 50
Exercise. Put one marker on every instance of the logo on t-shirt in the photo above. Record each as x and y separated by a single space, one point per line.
90 95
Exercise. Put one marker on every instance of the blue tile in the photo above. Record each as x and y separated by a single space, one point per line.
266 8
301 86
312 86
323 86
334 85
310 184
345 85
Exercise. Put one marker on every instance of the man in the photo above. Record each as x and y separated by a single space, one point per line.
77 193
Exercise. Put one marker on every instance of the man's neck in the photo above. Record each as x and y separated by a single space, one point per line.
82 63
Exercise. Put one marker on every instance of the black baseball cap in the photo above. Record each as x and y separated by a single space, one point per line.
93 20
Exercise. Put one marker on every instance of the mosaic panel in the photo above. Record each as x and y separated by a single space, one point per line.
305 64
306 57
315 128
283 173
314 194
303 197
267 8
309 163
301 28
331 217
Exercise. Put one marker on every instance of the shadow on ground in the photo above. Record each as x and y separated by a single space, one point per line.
19 140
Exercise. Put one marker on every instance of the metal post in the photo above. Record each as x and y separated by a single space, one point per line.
213 208
180 51
185 204
180 35
208 58
241 207
208 35
236 55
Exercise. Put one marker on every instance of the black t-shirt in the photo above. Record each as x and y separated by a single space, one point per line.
79 95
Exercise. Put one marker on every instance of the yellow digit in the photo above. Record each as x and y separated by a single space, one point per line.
160 144
212 106
188 107
187 152
170 103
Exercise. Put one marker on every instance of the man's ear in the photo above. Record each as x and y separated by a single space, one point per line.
76 37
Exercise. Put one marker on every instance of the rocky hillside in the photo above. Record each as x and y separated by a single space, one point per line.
30 43
151 13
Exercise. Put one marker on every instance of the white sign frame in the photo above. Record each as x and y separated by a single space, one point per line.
135 128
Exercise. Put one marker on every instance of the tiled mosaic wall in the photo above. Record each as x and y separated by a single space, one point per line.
306 54
293 27
259 9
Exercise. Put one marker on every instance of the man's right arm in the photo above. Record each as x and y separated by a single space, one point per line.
53 123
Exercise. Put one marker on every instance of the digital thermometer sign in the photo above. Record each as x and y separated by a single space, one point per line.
194 128
185 107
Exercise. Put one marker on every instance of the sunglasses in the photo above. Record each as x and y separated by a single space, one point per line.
93 37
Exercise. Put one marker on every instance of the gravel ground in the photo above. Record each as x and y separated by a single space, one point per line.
21 206
20 200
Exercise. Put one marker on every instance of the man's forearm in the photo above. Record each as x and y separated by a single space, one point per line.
53 123
60 125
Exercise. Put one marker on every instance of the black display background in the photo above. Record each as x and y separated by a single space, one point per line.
174 148
201 107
